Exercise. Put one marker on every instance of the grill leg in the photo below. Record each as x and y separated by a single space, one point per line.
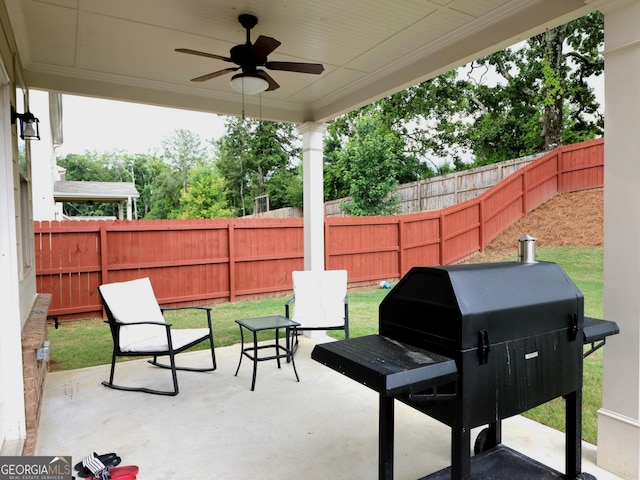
385 438
495 434
573 440
460 456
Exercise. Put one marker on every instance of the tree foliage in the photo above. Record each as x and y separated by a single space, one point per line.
425 118
183 150
159 180
373 164
459 120
164 193
543 98
258 158
421 120
94 167
206 195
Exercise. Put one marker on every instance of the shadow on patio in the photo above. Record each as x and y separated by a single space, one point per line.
216 428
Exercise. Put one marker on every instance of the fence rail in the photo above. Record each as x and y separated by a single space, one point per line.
200 261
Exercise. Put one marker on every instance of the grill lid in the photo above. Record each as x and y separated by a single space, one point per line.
450 305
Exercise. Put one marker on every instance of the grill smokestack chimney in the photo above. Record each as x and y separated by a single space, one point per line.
527 249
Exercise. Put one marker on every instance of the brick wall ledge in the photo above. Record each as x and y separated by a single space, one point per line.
34 335
34 332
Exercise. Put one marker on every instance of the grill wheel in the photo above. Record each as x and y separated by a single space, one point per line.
482 442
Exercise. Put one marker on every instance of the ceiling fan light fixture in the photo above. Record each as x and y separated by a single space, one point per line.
249 84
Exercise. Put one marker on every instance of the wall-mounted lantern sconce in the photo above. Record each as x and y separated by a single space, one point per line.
29 124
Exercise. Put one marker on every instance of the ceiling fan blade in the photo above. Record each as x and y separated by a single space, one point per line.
264 46
272 83
219 73
315 68
203 54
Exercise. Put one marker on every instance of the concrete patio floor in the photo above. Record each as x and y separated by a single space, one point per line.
217 428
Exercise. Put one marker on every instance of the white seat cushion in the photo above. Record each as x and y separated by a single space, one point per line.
158 343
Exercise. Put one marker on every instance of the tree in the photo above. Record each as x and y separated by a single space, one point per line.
91 167
425 118
144 169
425 122
230 162
182 150
88 167
163 192
371 154
160 181
258 158
206 194
335 180
285 188
544 99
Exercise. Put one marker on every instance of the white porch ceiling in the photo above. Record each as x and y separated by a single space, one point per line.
124 49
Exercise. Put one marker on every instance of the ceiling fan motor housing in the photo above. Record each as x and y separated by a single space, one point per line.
249 56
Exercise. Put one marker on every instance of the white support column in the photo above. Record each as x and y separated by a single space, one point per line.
313 185
129 208
43 160
619 417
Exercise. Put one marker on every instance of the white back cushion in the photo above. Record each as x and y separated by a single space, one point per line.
319 298
134 301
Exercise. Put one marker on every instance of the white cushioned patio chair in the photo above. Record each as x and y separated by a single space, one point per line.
138 328
319 301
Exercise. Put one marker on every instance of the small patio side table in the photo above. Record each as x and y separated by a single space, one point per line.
255 325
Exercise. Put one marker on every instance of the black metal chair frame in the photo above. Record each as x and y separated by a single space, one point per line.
170 351
345 327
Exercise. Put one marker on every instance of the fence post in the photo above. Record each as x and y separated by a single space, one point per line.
400 246
326 245
524 187
232 264
481 224
441 228
560 169
104 248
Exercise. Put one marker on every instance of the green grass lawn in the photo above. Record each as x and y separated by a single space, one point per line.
583 264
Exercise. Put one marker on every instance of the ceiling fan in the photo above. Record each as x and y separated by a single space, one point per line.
248 57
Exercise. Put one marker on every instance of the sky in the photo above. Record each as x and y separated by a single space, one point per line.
106 125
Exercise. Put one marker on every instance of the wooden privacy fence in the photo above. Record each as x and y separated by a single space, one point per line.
445 190
199 261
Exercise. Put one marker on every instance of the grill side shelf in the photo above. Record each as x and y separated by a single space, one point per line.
595 332
595 329
386 365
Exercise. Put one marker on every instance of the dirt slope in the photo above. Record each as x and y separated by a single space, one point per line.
567 219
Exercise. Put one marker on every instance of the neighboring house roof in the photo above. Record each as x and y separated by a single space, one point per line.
100 192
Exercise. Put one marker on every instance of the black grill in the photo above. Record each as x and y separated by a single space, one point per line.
470 345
